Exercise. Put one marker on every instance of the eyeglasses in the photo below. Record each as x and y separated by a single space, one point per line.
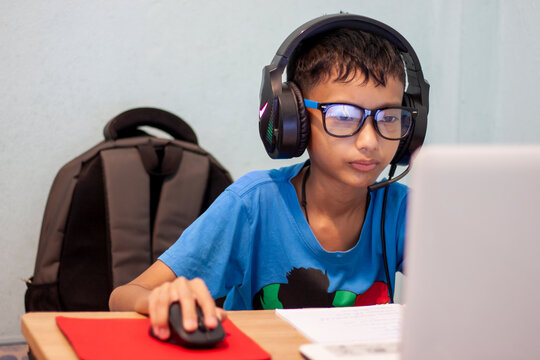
344 120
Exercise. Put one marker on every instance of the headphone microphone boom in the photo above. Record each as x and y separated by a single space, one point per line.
391 179
283 123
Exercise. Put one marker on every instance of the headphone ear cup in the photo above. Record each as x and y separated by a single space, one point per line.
287 132
303 120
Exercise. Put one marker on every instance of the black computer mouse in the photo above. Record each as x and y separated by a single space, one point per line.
201 338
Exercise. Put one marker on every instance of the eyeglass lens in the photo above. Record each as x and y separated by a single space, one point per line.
343 120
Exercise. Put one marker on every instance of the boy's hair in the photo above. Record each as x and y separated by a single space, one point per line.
344 52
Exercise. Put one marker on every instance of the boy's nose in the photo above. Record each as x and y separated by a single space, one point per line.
367 137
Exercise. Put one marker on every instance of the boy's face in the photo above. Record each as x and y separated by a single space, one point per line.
359 159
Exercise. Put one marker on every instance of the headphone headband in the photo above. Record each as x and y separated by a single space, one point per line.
272 117
329 22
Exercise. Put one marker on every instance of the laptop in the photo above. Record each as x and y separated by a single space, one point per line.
473 254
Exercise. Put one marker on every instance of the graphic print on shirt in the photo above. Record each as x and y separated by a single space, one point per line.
308 287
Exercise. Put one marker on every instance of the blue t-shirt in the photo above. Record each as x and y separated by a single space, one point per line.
254 246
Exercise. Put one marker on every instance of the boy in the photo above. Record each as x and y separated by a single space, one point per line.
308 234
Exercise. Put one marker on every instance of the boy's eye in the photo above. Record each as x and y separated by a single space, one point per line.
344 118
388 119
389 116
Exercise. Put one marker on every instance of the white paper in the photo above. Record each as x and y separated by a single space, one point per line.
342 325
377 351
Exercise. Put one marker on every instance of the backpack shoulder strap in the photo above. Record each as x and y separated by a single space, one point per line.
128 209
181 199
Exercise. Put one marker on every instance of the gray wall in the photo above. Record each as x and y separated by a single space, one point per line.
66 67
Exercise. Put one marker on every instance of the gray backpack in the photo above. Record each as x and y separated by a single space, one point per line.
114 209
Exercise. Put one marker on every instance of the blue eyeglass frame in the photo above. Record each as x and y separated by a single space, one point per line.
323 107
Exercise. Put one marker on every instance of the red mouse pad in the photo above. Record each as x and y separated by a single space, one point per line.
95 339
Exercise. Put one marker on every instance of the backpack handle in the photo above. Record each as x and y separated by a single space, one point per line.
126 124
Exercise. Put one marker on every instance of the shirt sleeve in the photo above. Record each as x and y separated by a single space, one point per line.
211 248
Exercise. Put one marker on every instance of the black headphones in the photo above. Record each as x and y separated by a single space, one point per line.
283 123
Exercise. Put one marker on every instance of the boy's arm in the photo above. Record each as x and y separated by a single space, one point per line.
155 289
133 296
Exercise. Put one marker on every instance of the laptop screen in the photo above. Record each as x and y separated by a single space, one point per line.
473 253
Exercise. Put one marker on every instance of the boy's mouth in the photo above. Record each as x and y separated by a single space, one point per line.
364 165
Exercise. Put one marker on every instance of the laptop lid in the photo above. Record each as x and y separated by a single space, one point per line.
473 254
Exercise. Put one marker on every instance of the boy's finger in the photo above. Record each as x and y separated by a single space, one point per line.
221 314
159 311
187 303
205 301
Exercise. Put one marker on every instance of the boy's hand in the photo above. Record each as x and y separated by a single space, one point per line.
188 293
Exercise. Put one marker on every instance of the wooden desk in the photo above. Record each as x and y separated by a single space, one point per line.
272 333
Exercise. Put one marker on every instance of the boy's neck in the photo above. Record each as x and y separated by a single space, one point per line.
331 195
336 211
